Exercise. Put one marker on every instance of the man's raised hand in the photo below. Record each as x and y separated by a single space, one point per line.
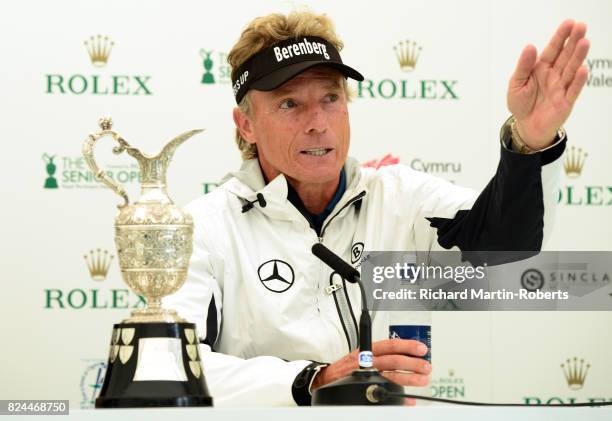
543 90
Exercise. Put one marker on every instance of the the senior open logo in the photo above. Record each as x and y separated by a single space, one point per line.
276 275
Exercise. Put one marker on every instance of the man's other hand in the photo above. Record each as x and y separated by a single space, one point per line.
396 359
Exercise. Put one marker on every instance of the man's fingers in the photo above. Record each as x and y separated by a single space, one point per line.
578 32
577 84
407 379
580 53
399 347
552 50
525 66
402 362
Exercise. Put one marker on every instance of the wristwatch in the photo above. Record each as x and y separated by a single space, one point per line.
303 382
517 144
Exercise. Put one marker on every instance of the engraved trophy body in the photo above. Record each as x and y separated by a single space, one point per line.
153 358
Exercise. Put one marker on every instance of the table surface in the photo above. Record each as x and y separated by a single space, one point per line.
420 413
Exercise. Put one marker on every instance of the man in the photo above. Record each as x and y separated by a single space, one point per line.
275 323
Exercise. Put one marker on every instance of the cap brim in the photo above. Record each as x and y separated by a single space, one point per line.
277 78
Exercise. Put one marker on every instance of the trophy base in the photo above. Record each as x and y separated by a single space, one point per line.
154 365
154 402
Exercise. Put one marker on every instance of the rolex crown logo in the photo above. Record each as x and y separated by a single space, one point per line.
407 53
574 161
98 263
575 372
99 49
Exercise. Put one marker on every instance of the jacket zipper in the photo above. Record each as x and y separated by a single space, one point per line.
340 293
347 204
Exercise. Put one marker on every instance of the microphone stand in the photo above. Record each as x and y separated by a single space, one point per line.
360 386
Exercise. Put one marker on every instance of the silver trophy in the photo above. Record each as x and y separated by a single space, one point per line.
153 358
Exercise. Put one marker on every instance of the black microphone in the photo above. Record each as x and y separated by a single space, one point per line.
353 389
351 274
249 205
334 261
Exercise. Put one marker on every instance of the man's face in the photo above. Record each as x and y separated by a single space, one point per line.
301 128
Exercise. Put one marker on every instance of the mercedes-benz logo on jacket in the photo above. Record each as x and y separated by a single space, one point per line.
276 275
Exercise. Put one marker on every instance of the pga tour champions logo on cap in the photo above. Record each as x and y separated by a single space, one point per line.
300 48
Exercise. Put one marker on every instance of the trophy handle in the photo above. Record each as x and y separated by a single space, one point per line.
88 153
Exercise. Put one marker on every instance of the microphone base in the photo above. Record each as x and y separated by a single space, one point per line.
353 390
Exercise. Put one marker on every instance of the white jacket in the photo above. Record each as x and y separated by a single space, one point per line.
263 338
